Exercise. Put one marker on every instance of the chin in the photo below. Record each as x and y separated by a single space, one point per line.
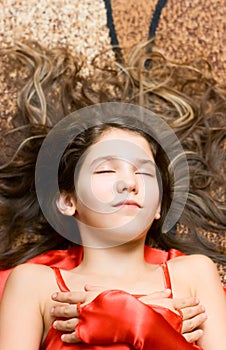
106 237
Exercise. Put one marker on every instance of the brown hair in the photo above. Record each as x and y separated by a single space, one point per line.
186 96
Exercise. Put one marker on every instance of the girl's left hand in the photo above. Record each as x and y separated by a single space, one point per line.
193 312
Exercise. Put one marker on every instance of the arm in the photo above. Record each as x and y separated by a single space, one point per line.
21 324
209 290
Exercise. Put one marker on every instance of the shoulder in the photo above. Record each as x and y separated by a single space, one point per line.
29 275
195 265
196 271
31 284
28 270
195 260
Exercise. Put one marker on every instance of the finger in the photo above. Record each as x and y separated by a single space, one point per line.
192 311
69 297
67 311
65 326
92 288
160 294
70 338
153 297
193 323
185 302
193 336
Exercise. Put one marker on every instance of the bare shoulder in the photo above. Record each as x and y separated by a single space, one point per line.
29 275
200 262
196 271
25 270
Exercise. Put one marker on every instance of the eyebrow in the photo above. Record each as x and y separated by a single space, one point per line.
139 161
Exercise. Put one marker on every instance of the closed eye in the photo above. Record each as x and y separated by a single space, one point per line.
144 173
104 171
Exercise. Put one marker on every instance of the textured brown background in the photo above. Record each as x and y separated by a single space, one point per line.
188 29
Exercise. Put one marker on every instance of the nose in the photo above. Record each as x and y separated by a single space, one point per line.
127 183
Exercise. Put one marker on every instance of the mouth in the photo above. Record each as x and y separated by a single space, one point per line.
128 203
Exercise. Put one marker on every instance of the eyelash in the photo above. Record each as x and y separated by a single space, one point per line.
104 171
143 173
112 171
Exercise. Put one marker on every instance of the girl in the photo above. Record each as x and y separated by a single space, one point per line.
114 181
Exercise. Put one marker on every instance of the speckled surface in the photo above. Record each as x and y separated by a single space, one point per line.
132 20
79 25
187 30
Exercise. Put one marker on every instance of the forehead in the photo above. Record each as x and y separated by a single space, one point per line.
128 136
118 143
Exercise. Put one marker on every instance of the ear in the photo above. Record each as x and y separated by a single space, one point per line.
66 204
157 214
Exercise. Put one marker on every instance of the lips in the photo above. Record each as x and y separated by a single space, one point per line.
127 203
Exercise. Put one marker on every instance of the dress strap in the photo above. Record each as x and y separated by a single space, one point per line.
166 275
59 279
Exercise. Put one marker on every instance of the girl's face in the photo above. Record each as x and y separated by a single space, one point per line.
117 193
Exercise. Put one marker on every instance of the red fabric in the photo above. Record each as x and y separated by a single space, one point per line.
118 317
102 322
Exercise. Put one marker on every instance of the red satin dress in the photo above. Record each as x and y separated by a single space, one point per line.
112 321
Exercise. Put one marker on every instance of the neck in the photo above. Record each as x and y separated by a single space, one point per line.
116 261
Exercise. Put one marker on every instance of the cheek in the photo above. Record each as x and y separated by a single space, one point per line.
94 195
103 189
151 193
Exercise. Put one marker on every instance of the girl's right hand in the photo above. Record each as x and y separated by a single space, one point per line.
70 312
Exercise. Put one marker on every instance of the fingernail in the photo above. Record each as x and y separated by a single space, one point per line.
168 290
55 324
204 316
52 310
54 295
196 300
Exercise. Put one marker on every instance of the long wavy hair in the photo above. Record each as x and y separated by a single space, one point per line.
51 83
